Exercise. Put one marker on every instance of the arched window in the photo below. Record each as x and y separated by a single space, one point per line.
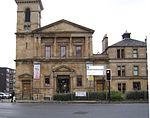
27 15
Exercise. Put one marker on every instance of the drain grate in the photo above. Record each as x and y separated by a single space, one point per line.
80 112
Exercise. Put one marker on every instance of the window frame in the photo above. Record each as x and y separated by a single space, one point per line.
121 53
79 81
135 53
135 70
63 52
122 87
27 15
78 51
47 77
47 51
137 86
121 71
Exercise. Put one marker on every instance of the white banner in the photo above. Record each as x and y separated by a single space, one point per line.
96 69
80 94
36 70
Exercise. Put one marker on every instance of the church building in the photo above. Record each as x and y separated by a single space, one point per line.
58 58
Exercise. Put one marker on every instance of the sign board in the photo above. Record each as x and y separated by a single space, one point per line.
80 94
95 72
96 69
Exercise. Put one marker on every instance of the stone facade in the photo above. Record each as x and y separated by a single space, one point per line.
128 64
54 58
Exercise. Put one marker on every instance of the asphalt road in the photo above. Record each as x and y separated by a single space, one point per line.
47 110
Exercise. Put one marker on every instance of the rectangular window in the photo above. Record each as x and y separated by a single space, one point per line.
120 53
136 86
47 80
135 70
121 70
78 51
122 87
135 53
47 51
119 87
79 81
63 51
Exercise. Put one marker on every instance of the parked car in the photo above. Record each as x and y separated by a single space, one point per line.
4 95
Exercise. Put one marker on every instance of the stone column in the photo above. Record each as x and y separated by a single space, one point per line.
55 44
72 78
91 46
86 51
35 46
39 47
70 47
54 83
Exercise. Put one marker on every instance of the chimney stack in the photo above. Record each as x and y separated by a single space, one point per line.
104 42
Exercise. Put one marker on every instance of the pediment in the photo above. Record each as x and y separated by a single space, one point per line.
63 68
63 26
25 75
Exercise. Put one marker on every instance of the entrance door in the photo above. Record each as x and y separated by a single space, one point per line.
63 84
26 90
99 85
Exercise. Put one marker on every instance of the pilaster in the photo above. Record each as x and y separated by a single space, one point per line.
70 47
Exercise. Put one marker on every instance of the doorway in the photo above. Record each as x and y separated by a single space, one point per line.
63 84
26 89
99 85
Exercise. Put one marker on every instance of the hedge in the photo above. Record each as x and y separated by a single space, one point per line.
136 95
115 96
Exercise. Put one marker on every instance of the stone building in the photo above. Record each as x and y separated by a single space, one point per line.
128 64
58 57
7 79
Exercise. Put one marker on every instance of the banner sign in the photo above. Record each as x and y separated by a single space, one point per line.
96 70
36 70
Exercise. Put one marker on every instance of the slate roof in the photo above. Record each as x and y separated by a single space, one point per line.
128 42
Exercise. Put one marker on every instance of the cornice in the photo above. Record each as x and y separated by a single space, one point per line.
29 1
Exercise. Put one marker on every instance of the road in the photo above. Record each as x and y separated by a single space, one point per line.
49 110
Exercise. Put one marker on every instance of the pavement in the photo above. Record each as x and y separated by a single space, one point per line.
74 102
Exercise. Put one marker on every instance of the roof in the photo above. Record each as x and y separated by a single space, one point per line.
128 42
57 27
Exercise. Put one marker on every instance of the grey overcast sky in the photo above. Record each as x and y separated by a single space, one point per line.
111 17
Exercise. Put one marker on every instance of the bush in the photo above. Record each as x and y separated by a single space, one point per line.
116 96
137 95
97 95
62 97
93 96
